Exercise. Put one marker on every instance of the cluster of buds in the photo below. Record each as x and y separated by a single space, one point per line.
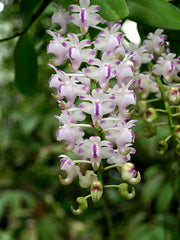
96 94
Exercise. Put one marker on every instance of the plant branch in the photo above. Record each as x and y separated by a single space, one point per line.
34 16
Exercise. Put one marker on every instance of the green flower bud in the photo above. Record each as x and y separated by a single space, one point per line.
177 131
142 106
82 202
96 191
149 131
173 95
123 191
163 146
150 115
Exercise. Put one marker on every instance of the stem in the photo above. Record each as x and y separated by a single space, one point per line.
112 166
108 219
33 18
166 104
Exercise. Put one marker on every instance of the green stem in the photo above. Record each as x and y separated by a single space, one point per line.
166 104
108 219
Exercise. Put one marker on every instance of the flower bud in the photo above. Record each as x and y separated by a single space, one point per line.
150 115
150 131
178 149
82 202
173 95
123 191
96 191
163 146
177 131
129 174
127 171
142 106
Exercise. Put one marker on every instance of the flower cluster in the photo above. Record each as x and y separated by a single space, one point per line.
97 93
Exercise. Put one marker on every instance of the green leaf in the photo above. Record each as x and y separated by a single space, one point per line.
154 13
25 65
28 9
112 10
152 187
165 196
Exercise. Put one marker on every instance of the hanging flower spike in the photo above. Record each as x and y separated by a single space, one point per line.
70 168
56 48
87 15
101 104
95 149
61 18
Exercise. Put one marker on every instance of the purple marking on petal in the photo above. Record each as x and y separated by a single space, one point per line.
71 18
110 144
81 106
81 97
83 15
71 8
96 109
70 53
112 97
108 72
59 88
87 70
69 162
62 162
98 8
153 68
64 44
90 61
108 134
112 106
99 18
96 41
95 151
57 132
51 78
132 69
88 42
97 89
111 151
80 150
93 53
118 62
102 32
172 66
133 151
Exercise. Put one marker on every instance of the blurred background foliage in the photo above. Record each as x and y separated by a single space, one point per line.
33 204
